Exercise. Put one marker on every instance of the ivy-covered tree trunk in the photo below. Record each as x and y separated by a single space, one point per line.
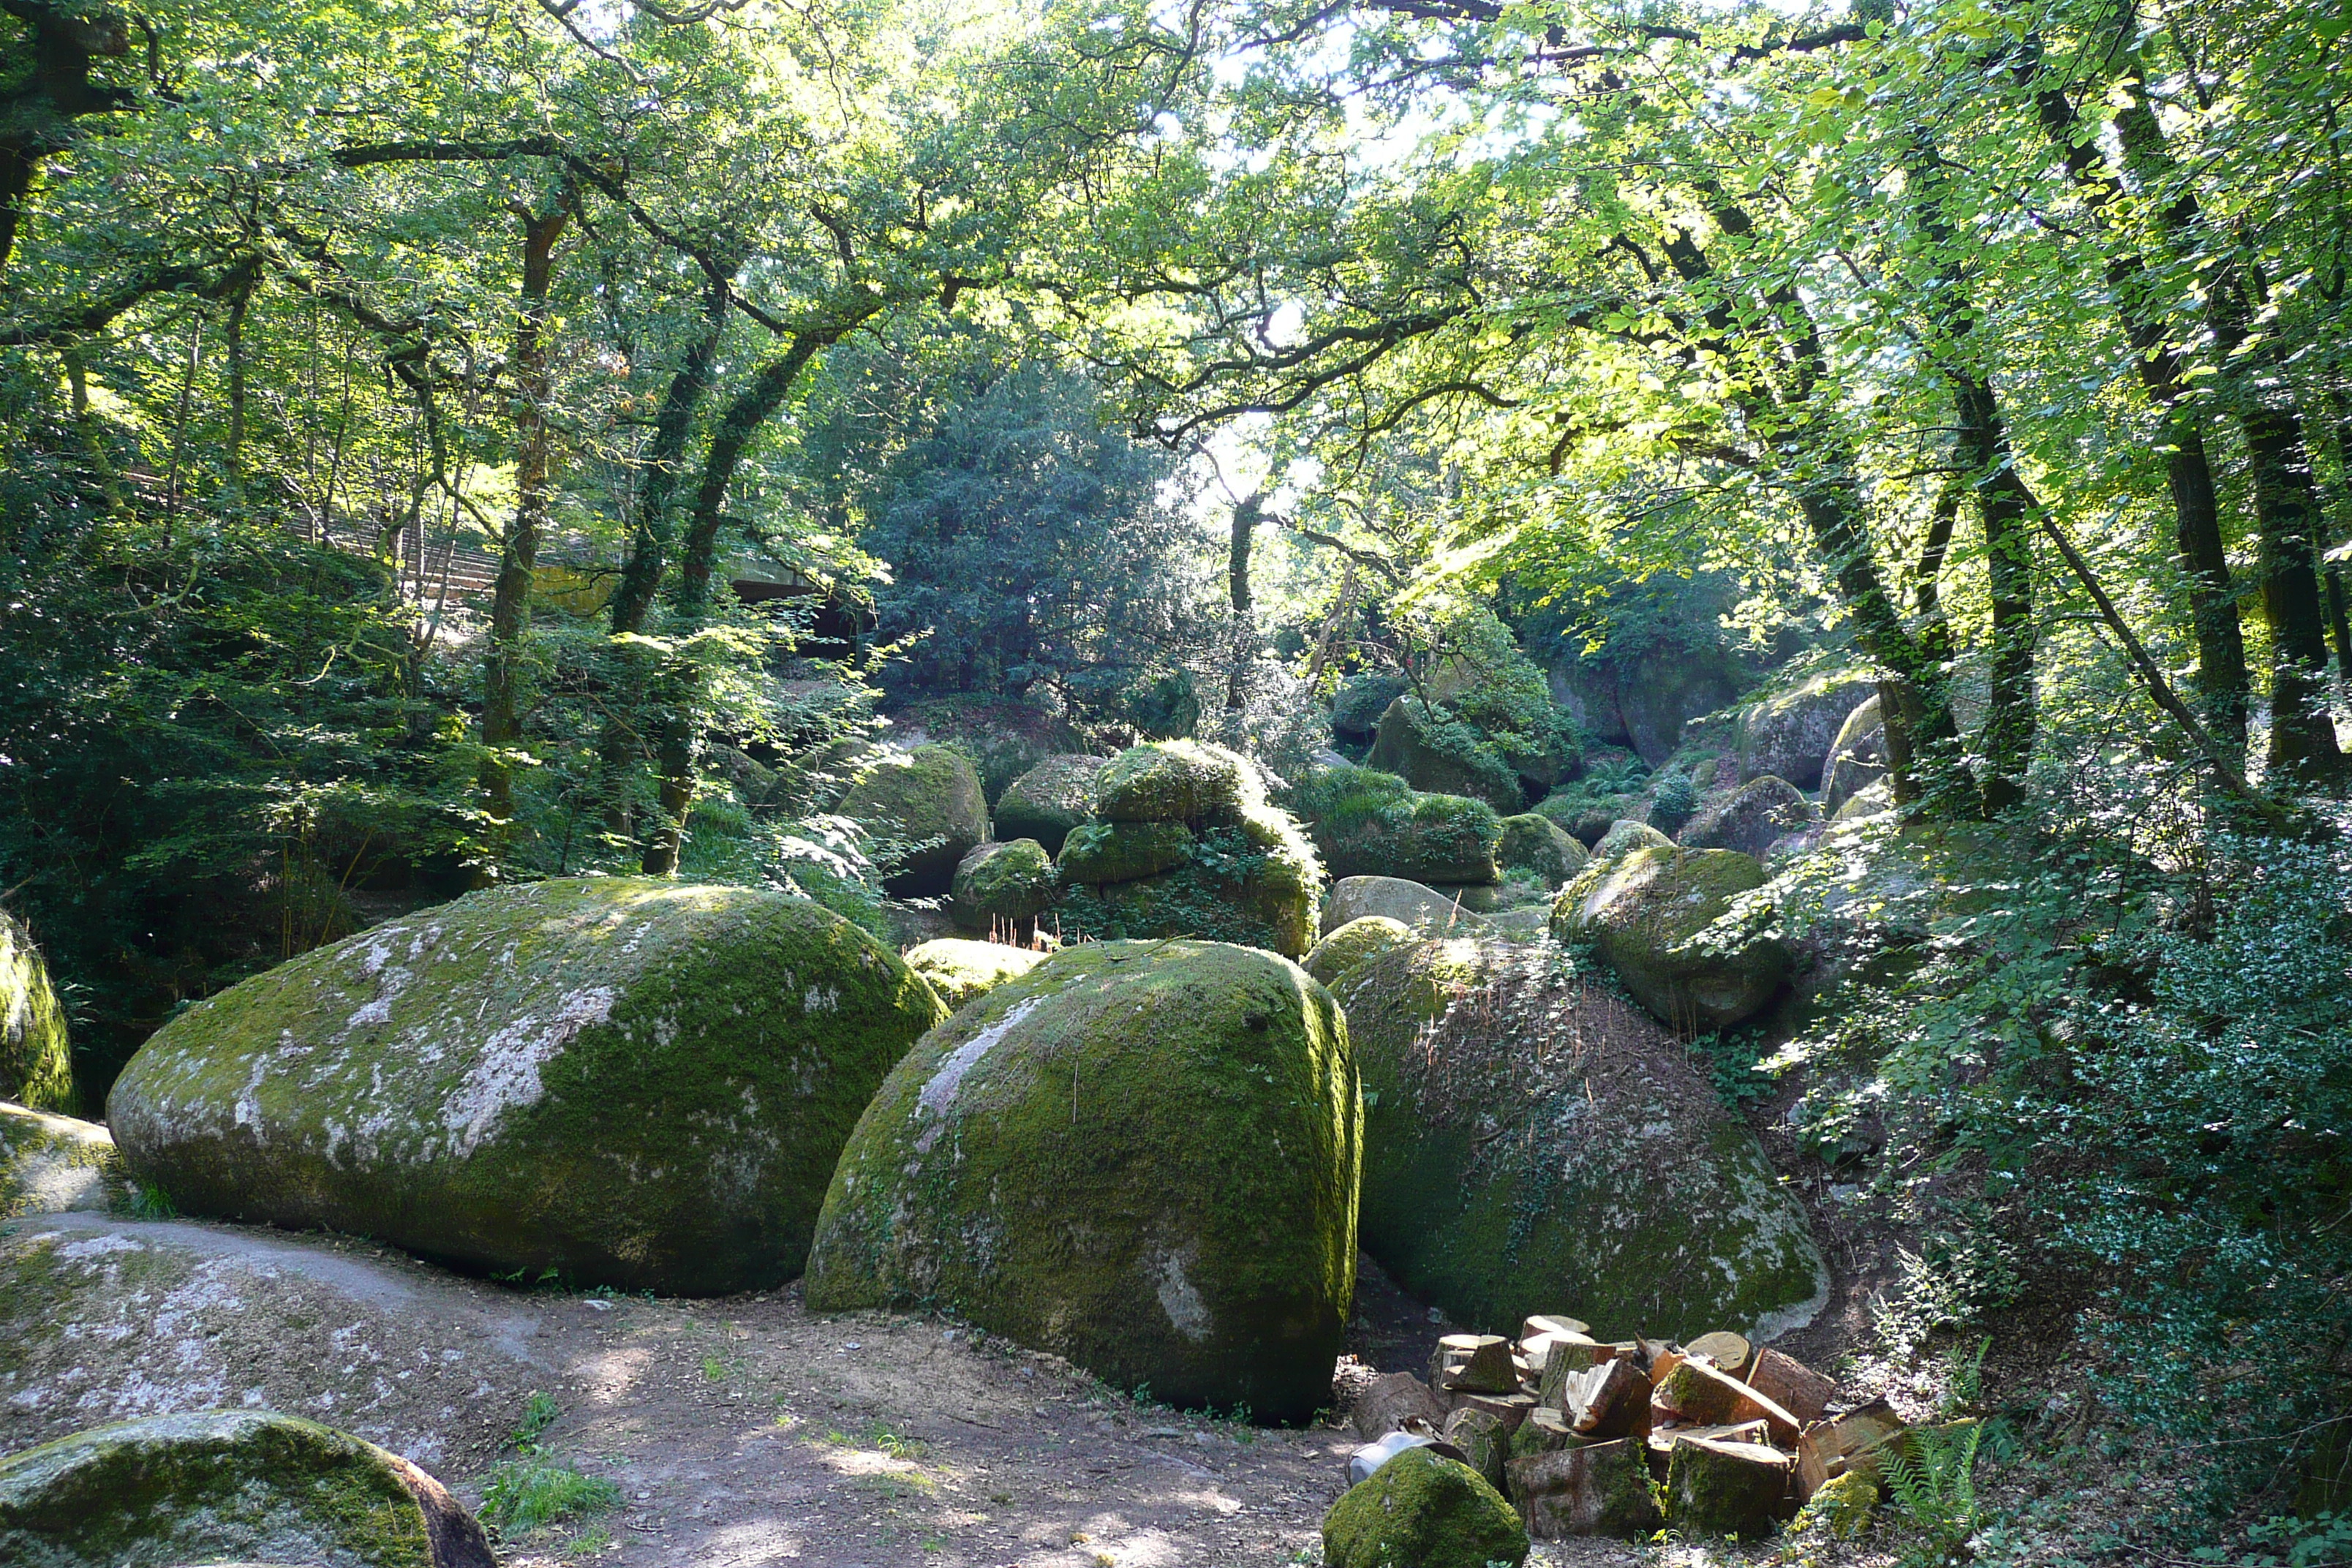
1246 513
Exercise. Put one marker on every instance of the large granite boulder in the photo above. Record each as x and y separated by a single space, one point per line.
1367 823
1438 755
1751 818
1101 852
961 971
228 1486
1623 837
1359 942
633 1083
1788 734
1532 1140
1003 884
55 1164
1858 757
1362 697
1140 1155
1176 781
36 1064
1535 845
1652 916
929 797
1050 799
1422 1509
1414 904
1665 685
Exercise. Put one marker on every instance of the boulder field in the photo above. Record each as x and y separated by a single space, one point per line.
633 1083
1143 1156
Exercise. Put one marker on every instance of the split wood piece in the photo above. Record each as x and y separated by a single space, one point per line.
1570 1357
1537 1333
1474 1363
1716 1487
1728 1350
1389 1401
1539 1348
1600 1488
1510 1409
1611 1400
1793 1386
1543 1432
1701 1394
1552 1323
1485 1441
1853 1441
1661 1362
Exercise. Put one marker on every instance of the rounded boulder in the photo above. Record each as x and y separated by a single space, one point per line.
228 1486
1624 837
1751 818
1176 781
1413 904
1142 1156
55 1164
1538 847
36 1064
1003 883
1788 735
1359 942
1652 916
961 971
930 800
1049 800
1422 1509
628 1082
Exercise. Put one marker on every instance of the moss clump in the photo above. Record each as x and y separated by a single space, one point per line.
1367 823
1508 1107
1176 781
1006 883
1540 848
1049 800
36 1064
1357 941
963 971
1422 1509
52 1163
228 1486
927 801
1102 852
1652 916
634 1083
1141 1155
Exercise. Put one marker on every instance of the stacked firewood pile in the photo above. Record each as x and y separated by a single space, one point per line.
1588 1438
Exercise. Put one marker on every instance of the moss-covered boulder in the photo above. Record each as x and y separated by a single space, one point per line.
1140 1155
633 1083
1176 781
1367 823
35 1065
1670 683
1751 818
1357 941
961 971
1658 918
1005 737
1540 848
1414 904
1361 701
1623 836
1530 1140
1438 755
928 800
1788 734
1253 879
1858 756
55 1164
1422 1509
1101 852
228 1486
1006 883
1050 799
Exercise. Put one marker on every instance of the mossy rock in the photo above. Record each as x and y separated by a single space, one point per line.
1857 756
1624 838
1176 781
1362 698
1006 738
1441 755
35 1063
1256 883
1414 904
1788 735
1367 823
632 1083
931 796
55 1164
1586 817
1049 800
1140 1155
1532 1142
1003 883
1101 852
1539 847
223 1487
1668 685
1652 916
1752 819
1357 941
961 971
1422 1509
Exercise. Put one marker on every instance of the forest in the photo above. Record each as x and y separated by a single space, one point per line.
1495 700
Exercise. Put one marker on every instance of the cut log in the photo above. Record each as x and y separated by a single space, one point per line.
1699 1392
1510 1409
1662 1439
1484 1442
1610 1400
1389 1402
1570 1357
1793 1386
1663 1361
1474 1363
1601 1489
1553 1324
1715 1487
1853 1442
1543 1432
1728 1350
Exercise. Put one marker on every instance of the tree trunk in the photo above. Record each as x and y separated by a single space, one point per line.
2007 509
510 598
1237 578
239 303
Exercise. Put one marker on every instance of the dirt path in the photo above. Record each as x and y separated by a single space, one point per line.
742 1432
